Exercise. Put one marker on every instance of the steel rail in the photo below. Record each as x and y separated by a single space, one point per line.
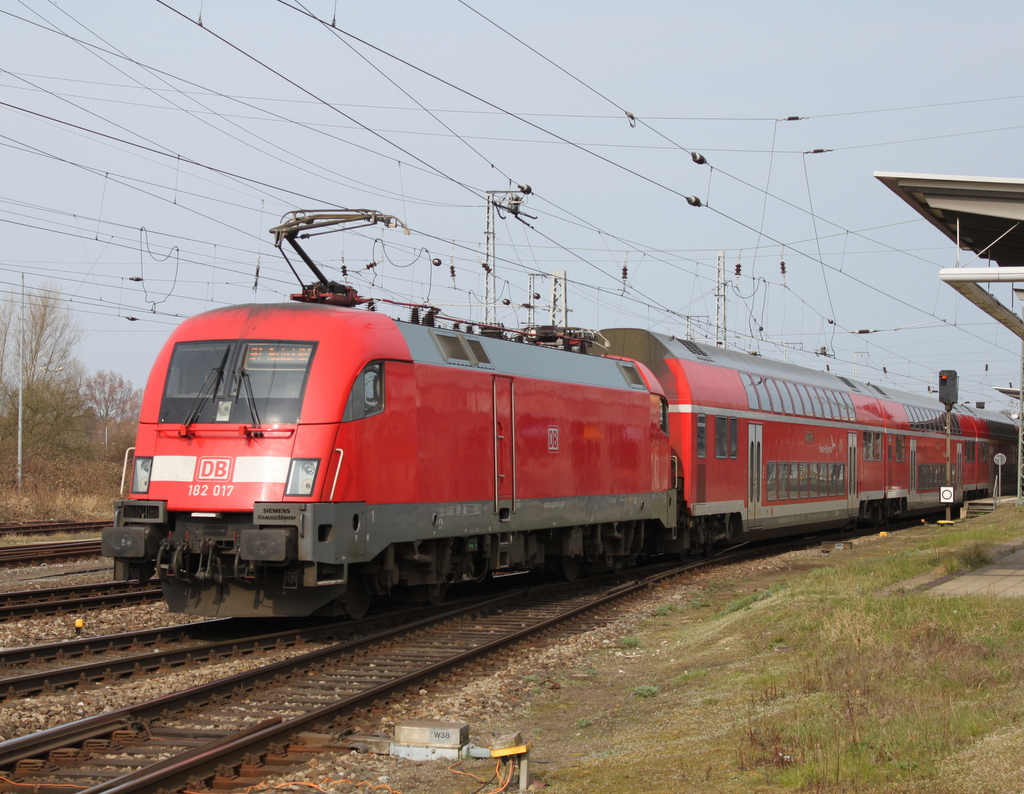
34 552
49 527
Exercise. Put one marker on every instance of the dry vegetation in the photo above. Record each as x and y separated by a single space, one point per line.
825 676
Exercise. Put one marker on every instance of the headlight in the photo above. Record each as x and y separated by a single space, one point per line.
140 475
302 476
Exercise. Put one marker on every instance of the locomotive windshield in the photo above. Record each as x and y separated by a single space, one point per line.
235 381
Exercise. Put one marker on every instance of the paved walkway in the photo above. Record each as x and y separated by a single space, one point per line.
1004 577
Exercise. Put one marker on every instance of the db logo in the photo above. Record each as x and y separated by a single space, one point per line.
553 438
213 469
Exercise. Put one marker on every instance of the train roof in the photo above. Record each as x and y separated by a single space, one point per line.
653 349
433 345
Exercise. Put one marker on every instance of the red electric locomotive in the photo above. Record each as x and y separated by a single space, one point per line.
766 449
298 458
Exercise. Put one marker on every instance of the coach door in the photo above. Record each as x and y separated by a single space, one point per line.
958 474
852 493
504 447
913 470
755 475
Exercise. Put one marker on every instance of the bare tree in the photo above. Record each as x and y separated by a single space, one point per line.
55 420
115 404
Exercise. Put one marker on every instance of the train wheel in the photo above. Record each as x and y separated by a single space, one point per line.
357 596
571 568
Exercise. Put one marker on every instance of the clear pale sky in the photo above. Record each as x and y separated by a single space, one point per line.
136 143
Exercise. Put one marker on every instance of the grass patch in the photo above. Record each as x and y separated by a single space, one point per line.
836 682
746 601
974 555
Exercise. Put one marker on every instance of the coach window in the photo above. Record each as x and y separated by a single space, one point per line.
812 479
794 393
869 453
901 446
367 396
773 393
851 412
762 392
748 385
664 415
771 483
878 446
721 437
702 435
734 436
783 481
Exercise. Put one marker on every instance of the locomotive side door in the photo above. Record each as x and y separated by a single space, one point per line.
755 475
852 493
504 447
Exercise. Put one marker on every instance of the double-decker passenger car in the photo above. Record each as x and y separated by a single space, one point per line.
766 448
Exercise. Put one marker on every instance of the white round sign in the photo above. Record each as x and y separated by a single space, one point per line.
999 459
946 494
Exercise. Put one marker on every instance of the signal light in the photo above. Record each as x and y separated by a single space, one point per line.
948 387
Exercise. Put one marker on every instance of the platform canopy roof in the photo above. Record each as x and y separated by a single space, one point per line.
983 215
980 214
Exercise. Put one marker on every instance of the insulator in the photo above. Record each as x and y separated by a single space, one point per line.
371 266
625 272
693 201
486 267
435 262
782 267
456 327
698 158
429 318
132 319
344 271
371 305
451 270
828 368
506 302
739 268
536 296
135 278
414 315
885 371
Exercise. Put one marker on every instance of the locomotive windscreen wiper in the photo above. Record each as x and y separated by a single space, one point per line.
250 399
209 390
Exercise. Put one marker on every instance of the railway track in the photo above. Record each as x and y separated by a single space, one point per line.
47 552
50 527
76 598
241 728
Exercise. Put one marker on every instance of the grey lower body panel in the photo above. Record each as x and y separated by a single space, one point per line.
299 558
